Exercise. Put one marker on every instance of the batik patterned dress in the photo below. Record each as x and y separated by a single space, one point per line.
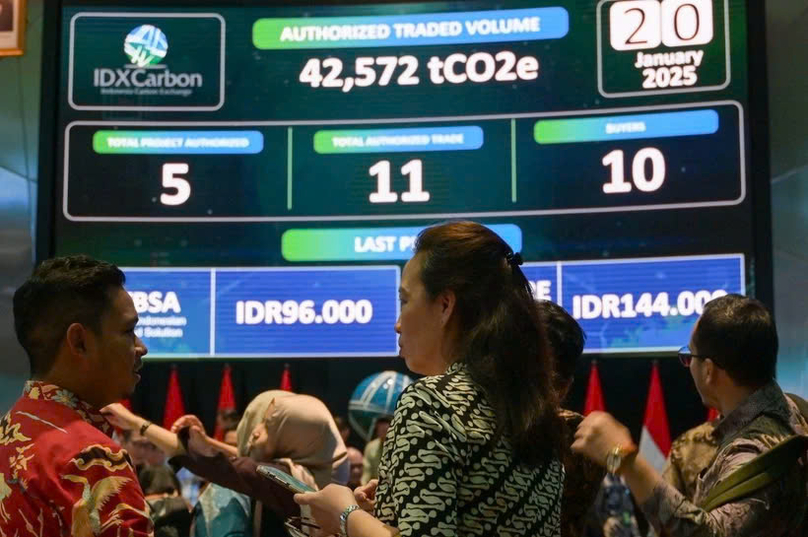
444 472
61 474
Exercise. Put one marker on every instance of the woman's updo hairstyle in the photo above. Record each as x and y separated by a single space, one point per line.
501 339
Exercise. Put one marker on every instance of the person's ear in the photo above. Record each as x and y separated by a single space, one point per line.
77 339
447 301
710 372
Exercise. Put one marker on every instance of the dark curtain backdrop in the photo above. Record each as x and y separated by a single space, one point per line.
625 383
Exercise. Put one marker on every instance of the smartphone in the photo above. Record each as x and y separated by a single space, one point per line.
298 527
283 479
292 531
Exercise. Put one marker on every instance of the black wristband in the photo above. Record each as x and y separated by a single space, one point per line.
146 425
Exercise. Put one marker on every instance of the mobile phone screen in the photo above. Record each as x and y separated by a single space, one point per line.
282 478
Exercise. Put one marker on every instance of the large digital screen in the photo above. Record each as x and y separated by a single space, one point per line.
262 171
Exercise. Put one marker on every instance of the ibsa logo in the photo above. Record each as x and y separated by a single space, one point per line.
155 302
146 46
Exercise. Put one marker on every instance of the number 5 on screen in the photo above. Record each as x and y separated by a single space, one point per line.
171 180
645 24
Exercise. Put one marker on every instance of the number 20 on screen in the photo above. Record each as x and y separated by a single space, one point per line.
645 24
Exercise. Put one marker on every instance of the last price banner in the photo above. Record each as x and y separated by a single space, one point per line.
253 312
623 305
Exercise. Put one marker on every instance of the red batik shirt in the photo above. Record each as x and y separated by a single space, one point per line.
61 474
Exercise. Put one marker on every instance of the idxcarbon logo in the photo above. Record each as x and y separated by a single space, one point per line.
122 60
146 45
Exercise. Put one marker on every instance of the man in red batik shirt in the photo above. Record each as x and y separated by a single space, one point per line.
60 472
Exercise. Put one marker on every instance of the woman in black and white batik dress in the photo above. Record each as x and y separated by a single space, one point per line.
444 473
474 446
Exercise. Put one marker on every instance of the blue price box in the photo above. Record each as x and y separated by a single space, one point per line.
645 305
307 312
174 310
543 279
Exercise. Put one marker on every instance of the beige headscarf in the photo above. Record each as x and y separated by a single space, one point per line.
302 434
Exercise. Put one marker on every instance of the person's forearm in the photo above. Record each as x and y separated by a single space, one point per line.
640 477
162 438
239 474
227 449
363 524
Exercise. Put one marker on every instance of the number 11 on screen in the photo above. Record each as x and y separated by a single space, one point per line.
383 194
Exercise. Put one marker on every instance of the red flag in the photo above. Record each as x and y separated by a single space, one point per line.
712 414
655 440
286 379
174 407
227 401
594 394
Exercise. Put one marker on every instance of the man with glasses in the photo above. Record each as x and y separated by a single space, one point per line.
692 451
732 358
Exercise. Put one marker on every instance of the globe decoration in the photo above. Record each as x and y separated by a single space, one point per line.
374 397
146 45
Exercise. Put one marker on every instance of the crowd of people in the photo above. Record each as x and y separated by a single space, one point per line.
480 445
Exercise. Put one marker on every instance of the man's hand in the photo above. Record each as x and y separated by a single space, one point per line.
598 434
365 495
119 416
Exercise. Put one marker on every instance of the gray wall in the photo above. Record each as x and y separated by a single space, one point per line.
787 21
19 138
787 36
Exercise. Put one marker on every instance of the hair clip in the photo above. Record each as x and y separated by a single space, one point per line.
514 259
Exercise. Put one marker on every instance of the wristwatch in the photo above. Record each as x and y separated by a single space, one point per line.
343 519
617 456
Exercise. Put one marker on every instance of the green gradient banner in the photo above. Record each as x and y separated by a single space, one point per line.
177 142
503 25
398 140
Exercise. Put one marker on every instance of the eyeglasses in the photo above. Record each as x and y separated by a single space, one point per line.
685 356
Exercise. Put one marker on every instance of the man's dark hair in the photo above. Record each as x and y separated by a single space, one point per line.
60 292
565 336
158 479
228 419
739 334
229 427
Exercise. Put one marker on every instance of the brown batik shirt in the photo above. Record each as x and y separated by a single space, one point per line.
691 453
763 420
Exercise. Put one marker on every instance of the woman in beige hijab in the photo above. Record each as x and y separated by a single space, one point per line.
297 431
293 432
